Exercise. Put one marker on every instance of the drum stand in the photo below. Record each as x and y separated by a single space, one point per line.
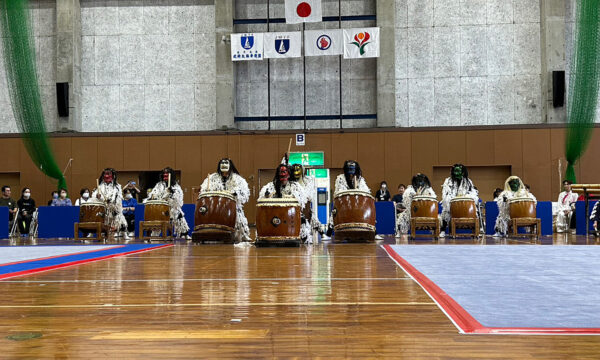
526 222
163 226
96 228
423 223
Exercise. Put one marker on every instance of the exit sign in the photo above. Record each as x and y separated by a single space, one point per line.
313 158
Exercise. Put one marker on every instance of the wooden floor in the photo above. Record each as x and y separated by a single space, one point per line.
220 301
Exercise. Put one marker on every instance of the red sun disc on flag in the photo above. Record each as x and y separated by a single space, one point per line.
303 9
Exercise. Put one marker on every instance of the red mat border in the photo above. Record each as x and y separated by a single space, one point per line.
466 323
78 262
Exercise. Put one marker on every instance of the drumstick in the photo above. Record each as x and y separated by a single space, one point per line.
169 183
288 152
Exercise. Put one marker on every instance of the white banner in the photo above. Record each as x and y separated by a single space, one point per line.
247 46
299 11
361 43
283 45
323 42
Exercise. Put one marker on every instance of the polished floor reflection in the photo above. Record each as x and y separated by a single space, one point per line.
209 301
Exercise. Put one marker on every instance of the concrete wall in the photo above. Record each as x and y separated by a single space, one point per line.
148 65
359 77
43 17
468 62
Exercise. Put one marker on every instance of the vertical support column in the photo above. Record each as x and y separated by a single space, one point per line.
68 59
552 37
386 64
224 66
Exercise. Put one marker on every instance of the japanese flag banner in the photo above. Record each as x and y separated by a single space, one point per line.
300 11
361 43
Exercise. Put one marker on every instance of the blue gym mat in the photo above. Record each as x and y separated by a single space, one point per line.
25 260
509 289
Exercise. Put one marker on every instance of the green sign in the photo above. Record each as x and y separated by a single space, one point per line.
314 158
318 173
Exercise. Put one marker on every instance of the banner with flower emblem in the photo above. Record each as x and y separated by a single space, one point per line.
361 43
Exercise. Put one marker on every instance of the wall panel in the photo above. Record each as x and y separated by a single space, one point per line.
480 147
343 147
537 161
137 151
110 153
11 154
398 168
162 152
508 149
424 152
371 155
452 147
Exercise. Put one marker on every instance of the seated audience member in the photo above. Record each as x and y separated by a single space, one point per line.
53 195
132 186
84 196
26 207
62 200
9 202
383 194
129 203
565 218
497 193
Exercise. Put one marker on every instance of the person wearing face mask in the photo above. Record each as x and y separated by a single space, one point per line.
129 203
513 188
84 196
420 186
383 194
228 179
62 200
53 195
168 189
457 184
109 192
26 207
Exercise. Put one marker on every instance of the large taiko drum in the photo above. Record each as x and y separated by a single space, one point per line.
156 210
463 207
354 216
424 206
522 207
277 220
91 212
215 216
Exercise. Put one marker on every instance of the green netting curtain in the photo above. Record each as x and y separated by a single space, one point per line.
21 76
583 83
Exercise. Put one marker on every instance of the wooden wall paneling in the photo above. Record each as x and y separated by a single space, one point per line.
371 155
110 153
85 155
397 159
11 154
424 152
557 153
233 148
266 152
537 162
508 150
188 153
246 167
343 147
190 180
214 148
162 152
137 152
452 148
590 171
480 147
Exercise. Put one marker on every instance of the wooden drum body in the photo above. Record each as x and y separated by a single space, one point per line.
277 220
354 216
92 212
424 207
215 216
463 208
156 210
522 208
